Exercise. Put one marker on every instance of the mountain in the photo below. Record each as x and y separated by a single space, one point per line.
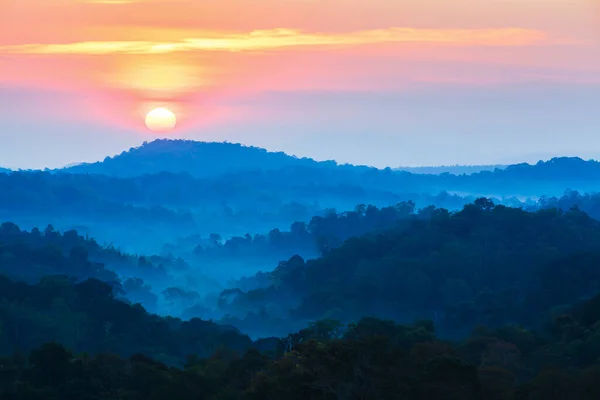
199 159
227 162
188 188
4 170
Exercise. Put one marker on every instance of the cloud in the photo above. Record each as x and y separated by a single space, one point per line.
260 40
113 1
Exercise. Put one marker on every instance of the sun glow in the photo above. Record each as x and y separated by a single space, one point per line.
156 77
161 119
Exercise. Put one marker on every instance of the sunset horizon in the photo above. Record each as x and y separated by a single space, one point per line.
299 76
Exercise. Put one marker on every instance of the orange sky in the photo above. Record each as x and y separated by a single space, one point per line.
109 61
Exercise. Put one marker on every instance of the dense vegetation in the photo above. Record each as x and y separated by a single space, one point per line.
165 191
31 256
332 228
265 298
589 203
506 291
201 158
86 316
259 167
485 264
372 359
161 208
319 235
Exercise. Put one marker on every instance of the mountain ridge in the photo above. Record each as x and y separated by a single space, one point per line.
210 159
199 159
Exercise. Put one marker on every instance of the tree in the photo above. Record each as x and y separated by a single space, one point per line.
215 239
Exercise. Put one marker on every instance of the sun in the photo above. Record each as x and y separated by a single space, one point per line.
161 119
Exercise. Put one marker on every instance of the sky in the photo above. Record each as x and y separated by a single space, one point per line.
378 82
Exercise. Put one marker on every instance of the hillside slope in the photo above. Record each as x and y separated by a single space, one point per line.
255 166
486 264
86 316
199 159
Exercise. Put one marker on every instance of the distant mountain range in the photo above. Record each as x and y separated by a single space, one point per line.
451 169
558 168
257 166
229 165
181 188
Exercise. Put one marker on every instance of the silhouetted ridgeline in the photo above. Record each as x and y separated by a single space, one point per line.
234 163
246 189
258 167
200 159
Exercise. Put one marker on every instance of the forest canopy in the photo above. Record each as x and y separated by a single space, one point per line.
219 271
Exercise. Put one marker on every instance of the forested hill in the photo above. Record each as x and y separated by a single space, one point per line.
486 265
199 159
85 316
255 166
549 178
574 169
31 256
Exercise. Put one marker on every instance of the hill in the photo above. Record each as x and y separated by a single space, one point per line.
151 210
506 268
227 162
574 169
199 159
248 190
29 256
486 265
86 316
